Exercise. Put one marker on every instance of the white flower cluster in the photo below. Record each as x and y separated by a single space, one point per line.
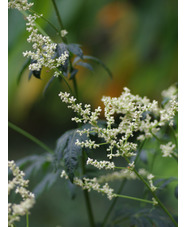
135 115
43 49
150 177
43 53
100 164
19 184
63 33
122 174
92 184
19 4
167 149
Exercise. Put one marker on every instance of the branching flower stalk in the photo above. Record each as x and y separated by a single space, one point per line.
136 115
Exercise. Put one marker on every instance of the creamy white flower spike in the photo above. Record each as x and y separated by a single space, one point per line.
135 115
20 4
20 185
100 164
92 184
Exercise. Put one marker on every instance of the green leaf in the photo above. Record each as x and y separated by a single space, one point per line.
98 61
162 183
46 183
34 163
85 65
75 49
143 217
68 151
25 65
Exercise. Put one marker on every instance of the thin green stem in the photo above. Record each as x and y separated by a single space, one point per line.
134 198
36 24
154 195
29 136
27 220
45 19
113 203
75 88
59 18
86 196
121 187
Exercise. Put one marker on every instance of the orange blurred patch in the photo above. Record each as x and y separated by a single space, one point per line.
112 13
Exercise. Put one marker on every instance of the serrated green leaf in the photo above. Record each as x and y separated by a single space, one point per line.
68 151
45 183
98 61
33 163
75 49
25 65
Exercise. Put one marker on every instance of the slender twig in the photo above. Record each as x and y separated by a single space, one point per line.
86 196
36 24
29 136
113 203
154 195
27 219
44 18
121 187
134 198
59 18
75 88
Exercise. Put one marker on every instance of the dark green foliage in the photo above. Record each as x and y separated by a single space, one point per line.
34 163
163 183
75 49
85 65
98 61
145 217
39 164
47 182
67 151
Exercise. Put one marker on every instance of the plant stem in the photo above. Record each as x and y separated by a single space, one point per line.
121 187
154 195
113 203
75 88
29 136
86 196
36 24
27 220
32 11
134 198
59 18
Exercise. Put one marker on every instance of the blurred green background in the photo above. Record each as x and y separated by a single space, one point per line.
136 39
